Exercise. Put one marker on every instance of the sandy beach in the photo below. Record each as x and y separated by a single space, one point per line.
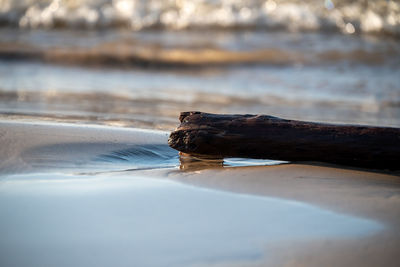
90 91
293 214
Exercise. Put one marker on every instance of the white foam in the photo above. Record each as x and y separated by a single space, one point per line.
371 16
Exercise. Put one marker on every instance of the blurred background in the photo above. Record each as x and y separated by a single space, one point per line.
138 63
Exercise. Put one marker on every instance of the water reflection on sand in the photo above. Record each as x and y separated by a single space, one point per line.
122 220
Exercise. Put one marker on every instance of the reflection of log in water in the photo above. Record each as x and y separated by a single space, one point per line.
192 163
266 137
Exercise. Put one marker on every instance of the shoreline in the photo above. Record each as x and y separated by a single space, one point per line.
42 147
299 179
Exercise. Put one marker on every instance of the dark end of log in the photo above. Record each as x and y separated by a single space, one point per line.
268 137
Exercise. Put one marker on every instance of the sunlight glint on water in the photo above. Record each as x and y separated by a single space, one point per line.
365 16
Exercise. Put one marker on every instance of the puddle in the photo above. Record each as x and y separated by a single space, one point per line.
122 220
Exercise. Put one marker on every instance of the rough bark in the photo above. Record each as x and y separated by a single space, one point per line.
267 137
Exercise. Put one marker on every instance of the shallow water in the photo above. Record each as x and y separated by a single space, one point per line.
342 92
125 220
81 197
145 78
104 201
48 147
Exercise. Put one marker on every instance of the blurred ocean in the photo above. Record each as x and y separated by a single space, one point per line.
139 63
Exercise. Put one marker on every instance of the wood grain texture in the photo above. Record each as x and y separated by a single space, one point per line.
267 137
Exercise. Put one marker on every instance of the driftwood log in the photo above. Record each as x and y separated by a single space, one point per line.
267 137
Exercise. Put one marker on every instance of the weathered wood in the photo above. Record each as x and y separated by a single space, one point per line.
267 137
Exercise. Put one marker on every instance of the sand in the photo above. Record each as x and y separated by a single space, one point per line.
356 192
41 146
35 148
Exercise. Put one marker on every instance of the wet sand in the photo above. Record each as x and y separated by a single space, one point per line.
44 147
29 148
350 191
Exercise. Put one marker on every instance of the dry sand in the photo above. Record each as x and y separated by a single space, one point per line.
367 194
